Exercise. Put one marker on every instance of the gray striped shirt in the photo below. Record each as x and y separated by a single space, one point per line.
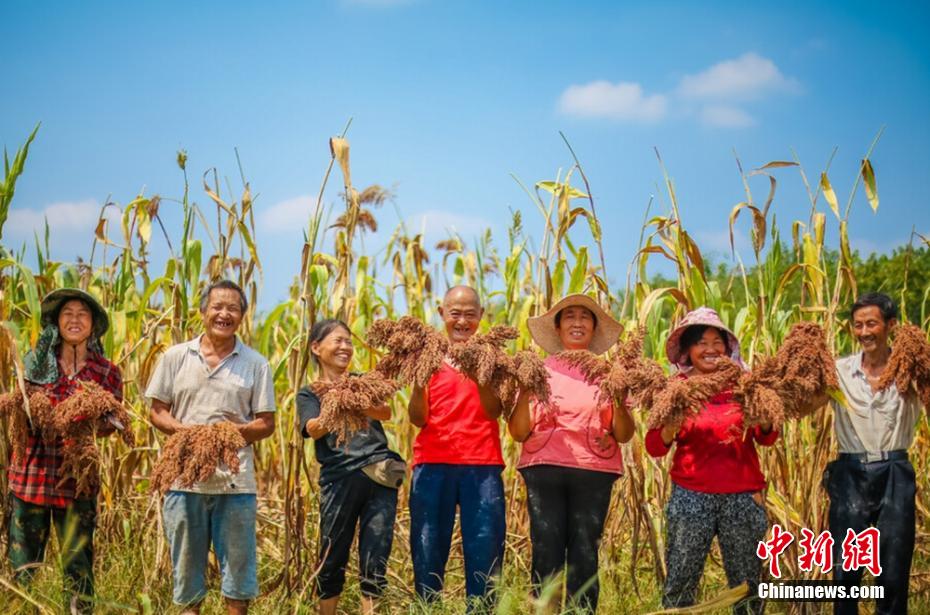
240 387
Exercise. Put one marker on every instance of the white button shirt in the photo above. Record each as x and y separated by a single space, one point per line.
872 422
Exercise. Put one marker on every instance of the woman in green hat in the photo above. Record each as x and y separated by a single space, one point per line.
68 351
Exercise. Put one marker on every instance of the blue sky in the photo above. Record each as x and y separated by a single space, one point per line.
450 97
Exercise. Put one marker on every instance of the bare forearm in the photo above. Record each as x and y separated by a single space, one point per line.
417 407
162 420
520 424
490 402
622 424
258 428
379 413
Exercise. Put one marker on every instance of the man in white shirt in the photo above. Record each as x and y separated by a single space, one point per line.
872 483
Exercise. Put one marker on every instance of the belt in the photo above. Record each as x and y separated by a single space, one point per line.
875 456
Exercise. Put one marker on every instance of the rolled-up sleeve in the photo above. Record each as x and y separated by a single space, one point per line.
764 439
655 446
263 390
308 407
161 384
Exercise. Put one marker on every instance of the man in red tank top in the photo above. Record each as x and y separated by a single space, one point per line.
457 464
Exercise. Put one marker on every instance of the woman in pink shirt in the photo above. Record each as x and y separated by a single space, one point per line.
717 486
571 454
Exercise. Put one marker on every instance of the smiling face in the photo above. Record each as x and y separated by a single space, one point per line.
575 327
222 314
461 312
871 329
75 322
334 352
704 353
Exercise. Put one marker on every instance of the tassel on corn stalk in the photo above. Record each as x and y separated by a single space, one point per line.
192 454
343 403
682 397
909 364
415 350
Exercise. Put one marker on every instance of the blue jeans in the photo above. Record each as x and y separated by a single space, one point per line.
192 522
436 491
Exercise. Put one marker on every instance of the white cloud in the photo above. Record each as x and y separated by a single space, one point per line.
726 116
287 216
747 77
64 218
617 101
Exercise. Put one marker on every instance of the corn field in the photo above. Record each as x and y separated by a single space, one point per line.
517 276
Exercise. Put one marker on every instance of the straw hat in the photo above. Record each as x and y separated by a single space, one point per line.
606 331
701 316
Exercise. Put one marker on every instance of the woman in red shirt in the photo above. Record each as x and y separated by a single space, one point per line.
718 488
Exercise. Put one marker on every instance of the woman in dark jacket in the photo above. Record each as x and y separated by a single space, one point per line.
358 480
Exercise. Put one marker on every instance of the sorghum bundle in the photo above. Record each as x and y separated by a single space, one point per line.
530 372
76 422
78 414
40 408
909 364
629 375
483 358
592 367
778 387
682 397
343 403
415 350
633 375
757 393
192 454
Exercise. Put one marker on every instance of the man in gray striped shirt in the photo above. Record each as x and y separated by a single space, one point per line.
210 379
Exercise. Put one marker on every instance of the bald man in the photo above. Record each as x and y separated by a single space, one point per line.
457 463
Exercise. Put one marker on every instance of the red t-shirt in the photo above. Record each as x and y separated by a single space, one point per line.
457 430
712 454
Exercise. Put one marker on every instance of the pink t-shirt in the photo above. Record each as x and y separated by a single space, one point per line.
574 431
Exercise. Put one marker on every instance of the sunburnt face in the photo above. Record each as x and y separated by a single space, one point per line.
461 315
335 350
75 322
223 313
576 328
870 328
705 353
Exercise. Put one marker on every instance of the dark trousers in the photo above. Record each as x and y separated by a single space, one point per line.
567 508
345 503
478 492
30 526
880 493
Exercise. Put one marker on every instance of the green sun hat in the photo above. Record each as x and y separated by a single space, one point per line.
51 306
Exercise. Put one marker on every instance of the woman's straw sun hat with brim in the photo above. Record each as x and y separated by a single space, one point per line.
606 331
701 316
53 301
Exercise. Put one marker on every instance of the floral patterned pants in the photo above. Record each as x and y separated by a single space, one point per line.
693 519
